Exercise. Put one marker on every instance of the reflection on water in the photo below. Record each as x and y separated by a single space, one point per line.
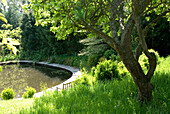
19 77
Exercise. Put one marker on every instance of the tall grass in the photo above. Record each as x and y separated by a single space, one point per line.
113 96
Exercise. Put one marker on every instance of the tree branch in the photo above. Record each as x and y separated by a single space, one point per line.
152 66
113 27
138 52
139 6
126 38
109 40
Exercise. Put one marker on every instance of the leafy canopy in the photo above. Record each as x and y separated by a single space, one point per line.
67 16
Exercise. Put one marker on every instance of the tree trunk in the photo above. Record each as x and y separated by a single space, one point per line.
145 91
141 80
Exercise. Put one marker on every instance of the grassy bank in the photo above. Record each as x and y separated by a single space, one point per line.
112 97
115 96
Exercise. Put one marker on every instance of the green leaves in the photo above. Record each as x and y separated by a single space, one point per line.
4 2
2 17
0 68
79 13
10 37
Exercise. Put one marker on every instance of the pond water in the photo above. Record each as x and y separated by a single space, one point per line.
20 76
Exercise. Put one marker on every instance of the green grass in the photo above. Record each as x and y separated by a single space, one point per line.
14 106
115 96
109 97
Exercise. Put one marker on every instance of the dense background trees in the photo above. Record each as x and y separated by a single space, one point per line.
39 42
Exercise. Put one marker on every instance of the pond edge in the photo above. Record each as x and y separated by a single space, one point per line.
75 74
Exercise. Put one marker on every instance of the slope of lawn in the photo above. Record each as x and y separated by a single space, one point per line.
113 96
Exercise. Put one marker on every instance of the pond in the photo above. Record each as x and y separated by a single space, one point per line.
19 76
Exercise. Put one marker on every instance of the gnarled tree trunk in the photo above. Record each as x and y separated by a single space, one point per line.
141 80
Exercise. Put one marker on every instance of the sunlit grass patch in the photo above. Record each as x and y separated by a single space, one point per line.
14 106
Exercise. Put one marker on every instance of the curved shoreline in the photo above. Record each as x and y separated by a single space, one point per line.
75 74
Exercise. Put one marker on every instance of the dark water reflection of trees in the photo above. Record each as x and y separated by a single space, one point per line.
18 78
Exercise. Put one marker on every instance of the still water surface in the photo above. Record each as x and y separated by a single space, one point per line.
19 77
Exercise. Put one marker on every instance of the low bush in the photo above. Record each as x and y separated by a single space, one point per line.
83 81
122 69
29 92
92 60
106 70
110 54
7 94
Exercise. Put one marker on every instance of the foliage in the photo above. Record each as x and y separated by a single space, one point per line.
158 35
143 60
38 42
8 57
7 94
106 70
110 54
164 65
94 46
29 92
93 60
13 11
2 17
70 60
0 68
82 81
10 39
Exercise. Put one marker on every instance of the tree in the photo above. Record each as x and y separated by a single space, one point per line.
114 22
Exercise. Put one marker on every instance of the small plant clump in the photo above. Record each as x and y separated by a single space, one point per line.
92 60
8 94
29 92
106 70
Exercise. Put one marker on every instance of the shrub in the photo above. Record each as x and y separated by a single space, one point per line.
93 71
106 70
82 81
122 69
92 60
110 54
7 94
29 93
25 95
